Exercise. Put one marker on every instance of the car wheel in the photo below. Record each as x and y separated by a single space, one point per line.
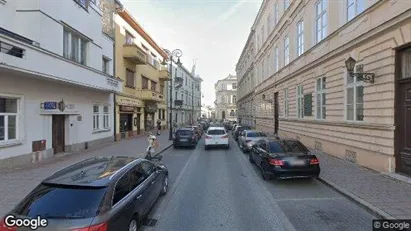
250 158
133 225
165 186
264 173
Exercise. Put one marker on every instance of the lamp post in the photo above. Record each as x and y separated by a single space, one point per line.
366 77
171 54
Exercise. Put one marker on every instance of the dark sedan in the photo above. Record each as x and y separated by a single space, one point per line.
284 158
100 193
185 137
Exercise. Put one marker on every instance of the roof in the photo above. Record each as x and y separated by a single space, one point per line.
140 30
92 172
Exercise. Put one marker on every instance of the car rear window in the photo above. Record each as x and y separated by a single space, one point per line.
256 134
287 146
243 128
62 202
184 132
216 132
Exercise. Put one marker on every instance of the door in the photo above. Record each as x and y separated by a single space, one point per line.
123 122
58 133
223 114
154 180
276 113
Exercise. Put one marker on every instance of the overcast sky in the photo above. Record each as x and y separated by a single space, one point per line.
212 31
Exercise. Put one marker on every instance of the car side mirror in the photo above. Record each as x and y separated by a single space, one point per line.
160 167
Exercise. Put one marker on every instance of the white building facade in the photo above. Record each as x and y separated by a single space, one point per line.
56 78
186 95
226 98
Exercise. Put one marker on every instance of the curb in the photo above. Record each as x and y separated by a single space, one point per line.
165 149
368 206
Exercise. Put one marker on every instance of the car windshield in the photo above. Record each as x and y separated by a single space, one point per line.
242 128
216 132
62 202
256 134
287 146
183 132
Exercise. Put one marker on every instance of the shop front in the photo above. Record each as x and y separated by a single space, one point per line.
150 110
128 117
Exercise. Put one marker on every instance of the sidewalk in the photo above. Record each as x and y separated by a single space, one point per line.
381 194
17 183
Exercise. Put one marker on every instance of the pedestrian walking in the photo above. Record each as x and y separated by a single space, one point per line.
158 127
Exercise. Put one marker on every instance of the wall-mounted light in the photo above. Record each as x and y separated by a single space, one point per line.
267 100
366 77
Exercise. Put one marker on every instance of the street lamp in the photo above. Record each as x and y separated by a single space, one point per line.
171 54
366 77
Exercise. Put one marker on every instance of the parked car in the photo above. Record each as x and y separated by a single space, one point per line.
216 137
185 137
283 159
248 138
100 193
238 130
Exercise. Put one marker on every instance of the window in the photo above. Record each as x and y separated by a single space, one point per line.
234 99
153 86
106 66
96 117
106 117
286 4
144 82
9 117
129 38
276 15
287 146
268 23
300 38
405 60
130 79
74 47
321 20
300 102
354 8
320 98
83 3
286 103
286 50
275 59
354 99
234 86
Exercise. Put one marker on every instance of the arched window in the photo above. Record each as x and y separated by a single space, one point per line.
232 113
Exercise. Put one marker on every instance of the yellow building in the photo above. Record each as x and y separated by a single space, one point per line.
138 63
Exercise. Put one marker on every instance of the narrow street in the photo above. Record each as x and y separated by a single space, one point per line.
221 190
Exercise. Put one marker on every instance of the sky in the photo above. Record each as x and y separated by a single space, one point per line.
213 32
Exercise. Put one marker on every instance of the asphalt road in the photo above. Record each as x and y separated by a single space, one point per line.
221 190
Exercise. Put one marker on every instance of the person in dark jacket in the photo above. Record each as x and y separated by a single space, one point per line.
158 127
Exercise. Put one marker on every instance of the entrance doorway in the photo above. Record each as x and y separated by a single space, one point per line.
276 115
403 112
223 115
126 122
58 133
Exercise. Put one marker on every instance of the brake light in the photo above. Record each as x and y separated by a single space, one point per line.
208 137
99 227
4 227
314 161
276 162
225 137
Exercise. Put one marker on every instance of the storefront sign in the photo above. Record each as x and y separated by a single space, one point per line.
112 82
127 108
61 106
129 101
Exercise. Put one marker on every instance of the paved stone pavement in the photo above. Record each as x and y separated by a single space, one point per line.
385 196
17 183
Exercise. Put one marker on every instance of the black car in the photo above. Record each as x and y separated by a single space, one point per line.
100 193
239 129
284 158
185 137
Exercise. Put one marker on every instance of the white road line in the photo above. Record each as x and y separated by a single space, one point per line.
311 199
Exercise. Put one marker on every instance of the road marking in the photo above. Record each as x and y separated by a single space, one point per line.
311 199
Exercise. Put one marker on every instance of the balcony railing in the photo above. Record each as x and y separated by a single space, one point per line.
135 54
178 102
150 95
164 74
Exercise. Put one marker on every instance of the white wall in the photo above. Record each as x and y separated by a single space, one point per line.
37 127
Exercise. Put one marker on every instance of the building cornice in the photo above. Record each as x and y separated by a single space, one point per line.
140 30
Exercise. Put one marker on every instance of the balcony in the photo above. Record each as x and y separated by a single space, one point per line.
135 54
164 74
150 95
178 80
178 102
42 64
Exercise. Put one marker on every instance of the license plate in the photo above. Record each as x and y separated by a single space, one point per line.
298 162
183 140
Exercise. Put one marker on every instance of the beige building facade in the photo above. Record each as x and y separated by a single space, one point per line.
246 82
304 90
226 98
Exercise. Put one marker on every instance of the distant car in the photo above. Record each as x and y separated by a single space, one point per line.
283 159
101 193
198 131
248 138
216 137
185 137
238 130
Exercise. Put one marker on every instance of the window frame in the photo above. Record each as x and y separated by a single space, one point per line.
106 117
355 7
106 65
320 92
18 115
286 103
287 4
127 78
82 42
355 84
276 13
300 38
300 101
286 50
319 16
96 117
276 65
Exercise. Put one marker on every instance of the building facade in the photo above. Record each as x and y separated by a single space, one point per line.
56 75
142 101
246 83
186 95
305 90
226 98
